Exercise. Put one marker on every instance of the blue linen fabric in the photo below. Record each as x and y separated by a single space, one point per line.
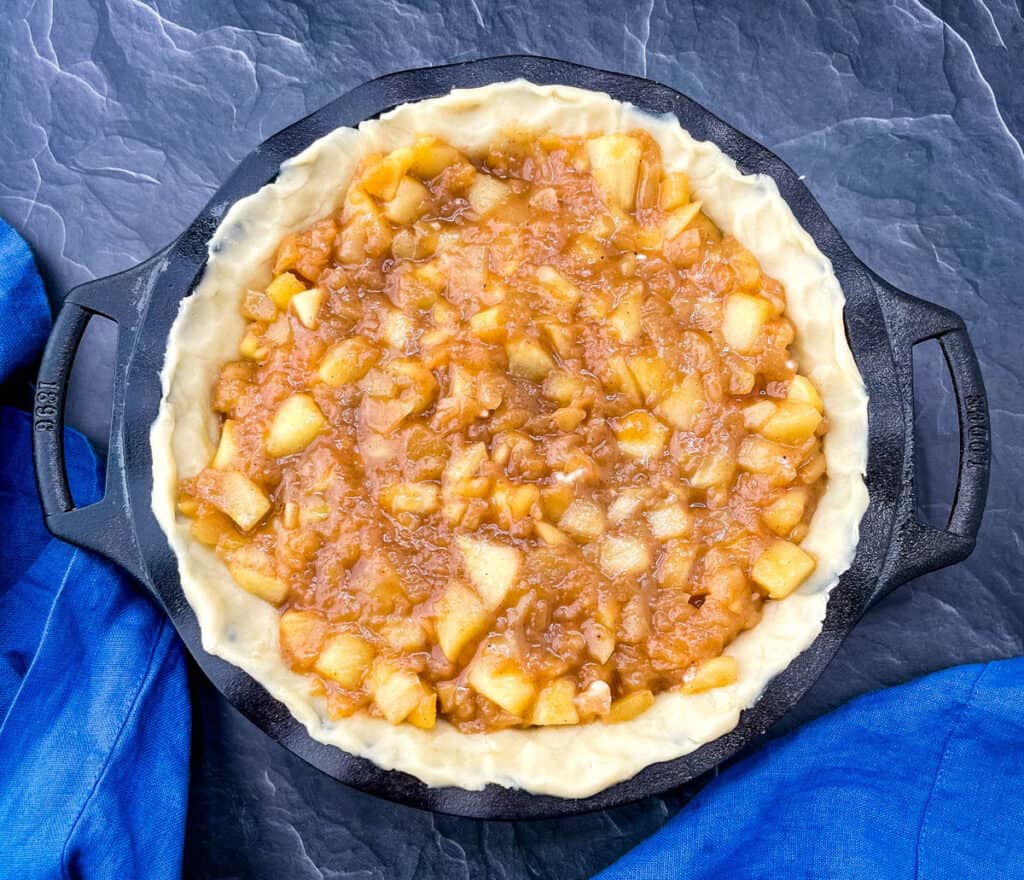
94 710
921 781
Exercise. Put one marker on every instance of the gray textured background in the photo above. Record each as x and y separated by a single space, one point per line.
120 118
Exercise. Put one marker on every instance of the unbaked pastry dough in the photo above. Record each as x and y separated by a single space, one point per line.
564 761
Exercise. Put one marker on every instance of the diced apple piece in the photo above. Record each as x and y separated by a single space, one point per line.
558 285
365 232
640 435
214 528
252 347
431 156
486 193
624 556
669 521
461 617
615 164
559 337
410 202
396 691
422 498
627 504
283 288
241 499
619 378
383 178
396 329
675 564
813 469
492 568
461 474
301 633
265 586
550 535
743 318
652 376
348 361
306 306
782 568
555 704
783 514
562 387
344 658
583 520
757 413
405 635
295 425
674 191
802 390
629 707
600 640
714 672
188 505
555 500
683 404
528 359
761 456
502 681
424 715
227 449
626 319
512 501
791 423
489 325
680 219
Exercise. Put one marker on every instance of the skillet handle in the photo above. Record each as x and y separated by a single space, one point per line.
920 548
104 526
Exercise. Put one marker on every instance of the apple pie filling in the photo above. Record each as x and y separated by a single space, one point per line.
513 439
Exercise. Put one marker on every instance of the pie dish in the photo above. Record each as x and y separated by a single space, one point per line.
567 761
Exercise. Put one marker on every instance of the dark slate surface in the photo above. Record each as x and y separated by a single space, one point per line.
121 117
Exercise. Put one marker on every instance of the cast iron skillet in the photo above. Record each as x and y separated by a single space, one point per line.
883 324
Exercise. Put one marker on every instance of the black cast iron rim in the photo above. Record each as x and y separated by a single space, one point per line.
882 326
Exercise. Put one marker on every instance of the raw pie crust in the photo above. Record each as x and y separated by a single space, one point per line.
574 761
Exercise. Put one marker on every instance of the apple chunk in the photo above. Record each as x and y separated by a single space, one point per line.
640 435
301 634
240 498
283 288
555 704
492 568
743 319
502 681
615 164
782 568
715 672
265 586
348 361
306 306
461 617
624 556
294 426
792 422
344 659
396 691
227 448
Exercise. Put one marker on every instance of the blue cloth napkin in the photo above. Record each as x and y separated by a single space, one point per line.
921 781
94 710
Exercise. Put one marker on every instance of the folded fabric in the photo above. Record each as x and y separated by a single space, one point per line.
94 710
921 781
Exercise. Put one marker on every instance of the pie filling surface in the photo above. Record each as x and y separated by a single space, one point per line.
513 438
